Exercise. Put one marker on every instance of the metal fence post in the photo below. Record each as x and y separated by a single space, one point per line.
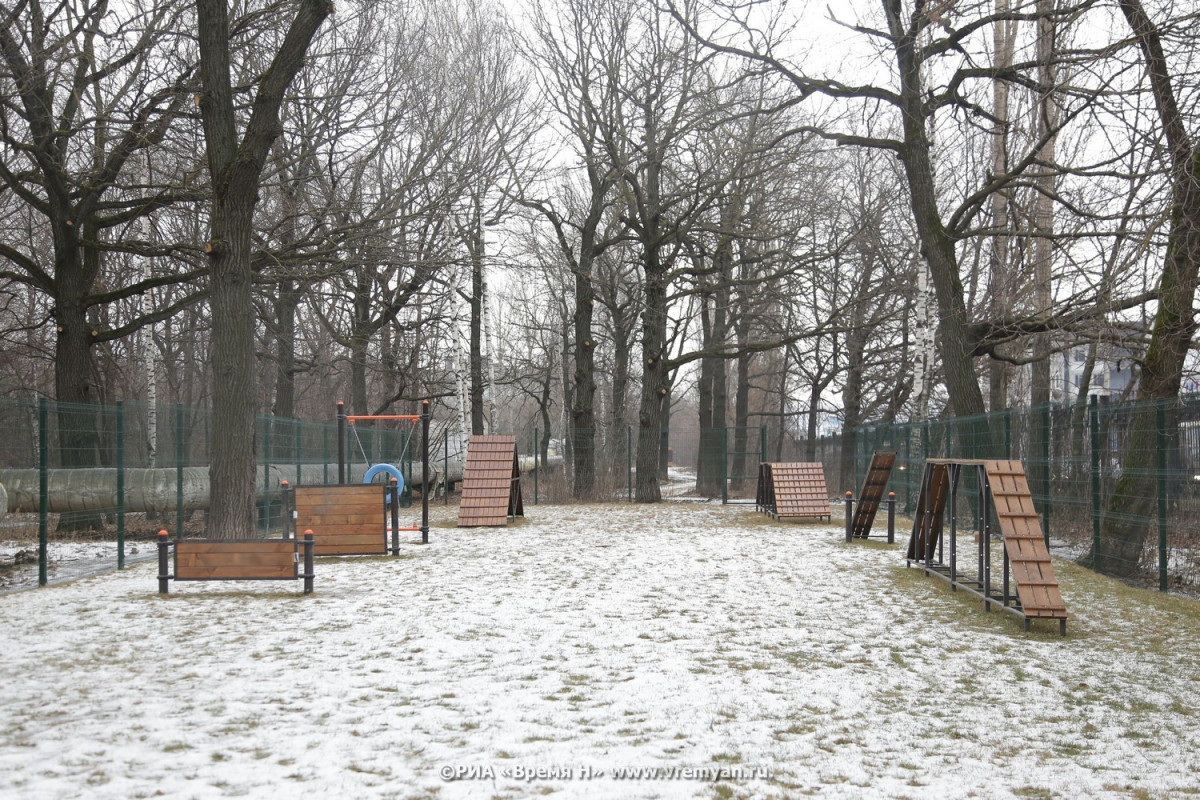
629 462
308 562
724 466
908 470
341 442
1046 451
1160 417
849 515
299 447
266 474
178 471
392 493
120 484
1008 433
1094 424
426 415
164 563
43 489
891 530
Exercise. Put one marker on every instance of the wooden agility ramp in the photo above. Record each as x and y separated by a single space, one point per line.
1024 543
793 490
931 503
1002 488
491 485
872 493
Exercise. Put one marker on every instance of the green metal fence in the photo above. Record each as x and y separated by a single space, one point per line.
1074 456
95 482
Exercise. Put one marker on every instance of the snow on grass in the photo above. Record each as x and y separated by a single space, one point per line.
597 638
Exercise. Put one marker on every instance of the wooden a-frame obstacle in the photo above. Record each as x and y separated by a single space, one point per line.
858 525
792 490
491 485
1002 487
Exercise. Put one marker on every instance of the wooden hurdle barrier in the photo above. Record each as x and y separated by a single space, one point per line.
234 560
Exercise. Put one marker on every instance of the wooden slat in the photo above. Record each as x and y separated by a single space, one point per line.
236 559
232 573
232 546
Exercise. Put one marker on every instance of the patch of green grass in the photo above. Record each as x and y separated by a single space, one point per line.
1033 791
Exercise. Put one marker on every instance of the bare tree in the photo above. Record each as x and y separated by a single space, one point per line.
933 74
1129 510
89 92
235 164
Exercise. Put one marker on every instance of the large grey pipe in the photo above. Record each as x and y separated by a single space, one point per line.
95 488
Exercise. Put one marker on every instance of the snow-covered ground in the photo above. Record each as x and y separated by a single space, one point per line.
587 640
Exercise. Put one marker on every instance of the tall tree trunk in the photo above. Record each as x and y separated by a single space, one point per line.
360 339
568 392
741 412
476 303
286 301
955 339
1127 517
1003 39
783 376
814 410
852 393
583 409
74 365
708 466
1043 223
654 379
235 168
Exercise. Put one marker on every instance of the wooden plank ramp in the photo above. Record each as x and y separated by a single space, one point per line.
872 493
931 503
1024 543
795 489
345 520
491 485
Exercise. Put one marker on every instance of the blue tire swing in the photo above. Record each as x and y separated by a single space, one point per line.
393 472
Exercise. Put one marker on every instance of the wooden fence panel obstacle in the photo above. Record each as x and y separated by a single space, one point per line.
858 524
1027 585
235 560
793 490
350 520
491 484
